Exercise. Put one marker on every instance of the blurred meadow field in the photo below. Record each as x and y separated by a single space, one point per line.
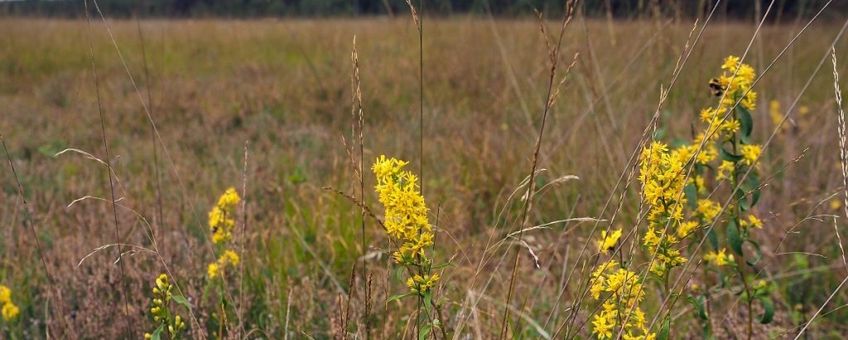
264 106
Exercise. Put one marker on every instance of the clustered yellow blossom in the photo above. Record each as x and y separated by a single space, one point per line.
725 169
228 259
708 209
720 258
161 313
750 153
662 173
736 81
9 310
663 169
621 292
752 221
736 88
221 217
608 241
776 115
405 218
422 283
221 224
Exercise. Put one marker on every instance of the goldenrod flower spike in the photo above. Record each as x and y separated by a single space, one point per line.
405 219
9 310
222 216
221 224
160 311
622 291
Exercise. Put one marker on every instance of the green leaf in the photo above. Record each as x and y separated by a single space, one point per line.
727 156
442 265
664 331
734 239
398 297
181 300
752 185
713 237
768 310
746 122
157 334
691 193
428 301
744 205
698 304
424 331
659 133
52 148
758 253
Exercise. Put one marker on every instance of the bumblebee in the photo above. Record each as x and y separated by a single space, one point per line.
716 88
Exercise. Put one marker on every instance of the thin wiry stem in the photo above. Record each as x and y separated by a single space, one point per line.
357 113
421 98
147 80
843 153
243 238
418 26
165 151
108 160
550 98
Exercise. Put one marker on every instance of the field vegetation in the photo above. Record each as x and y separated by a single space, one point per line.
239 154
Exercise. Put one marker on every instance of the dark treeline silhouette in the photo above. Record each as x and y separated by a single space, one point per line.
626 9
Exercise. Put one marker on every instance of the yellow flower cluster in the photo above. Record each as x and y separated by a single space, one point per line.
405 217
735 83
221 224
725 169
406 213
750 153
160 311
752 221
421 284
608 241
720 258
776 114
621 292
708 209
227 259
221 217
663 170
662 173
735 89
9 310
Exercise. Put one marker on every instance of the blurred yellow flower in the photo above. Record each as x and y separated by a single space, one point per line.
718 259
607 242
750 153
10 311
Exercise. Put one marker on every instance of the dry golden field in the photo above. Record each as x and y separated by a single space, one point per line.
264 106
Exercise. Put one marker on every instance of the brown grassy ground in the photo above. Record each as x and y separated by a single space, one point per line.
284 87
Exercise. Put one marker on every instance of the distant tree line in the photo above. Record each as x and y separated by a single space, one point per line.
628 9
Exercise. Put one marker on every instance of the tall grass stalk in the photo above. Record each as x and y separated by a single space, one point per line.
843 150
130 323
550 99
358 132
